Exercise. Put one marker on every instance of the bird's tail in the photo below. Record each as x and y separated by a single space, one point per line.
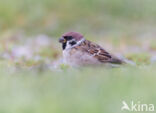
122 60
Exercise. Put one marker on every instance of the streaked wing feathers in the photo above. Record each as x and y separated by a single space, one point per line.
98 52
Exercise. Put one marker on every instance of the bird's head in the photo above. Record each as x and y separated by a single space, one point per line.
70 39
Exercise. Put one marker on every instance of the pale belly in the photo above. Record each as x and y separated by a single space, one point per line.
77 58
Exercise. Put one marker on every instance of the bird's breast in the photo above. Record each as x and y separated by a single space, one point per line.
76 57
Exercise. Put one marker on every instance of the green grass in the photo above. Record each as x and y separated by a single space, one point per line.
85 90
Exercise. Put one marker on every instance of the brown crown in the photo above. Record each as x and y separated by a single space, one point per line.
75 35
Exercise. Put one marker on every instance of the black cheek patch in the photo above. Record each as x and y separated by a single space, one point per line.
72 43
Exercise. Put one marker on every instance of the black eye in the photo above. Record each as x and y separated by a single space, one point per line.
68 38
72 43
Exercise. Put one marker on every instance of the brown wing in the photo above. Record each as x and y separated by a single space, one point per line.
98 52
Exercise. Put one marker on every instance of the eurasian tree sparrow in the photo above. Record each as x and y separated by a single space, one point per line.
80 52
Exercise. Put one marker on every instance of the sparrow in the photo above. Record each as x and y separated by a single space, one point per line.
77 51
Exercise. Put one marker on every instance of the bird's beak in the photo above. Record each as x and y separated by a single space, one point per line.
62 40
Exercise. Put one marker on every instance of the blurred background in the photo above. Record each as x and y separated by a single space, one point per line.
87 16
126 25
29 50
